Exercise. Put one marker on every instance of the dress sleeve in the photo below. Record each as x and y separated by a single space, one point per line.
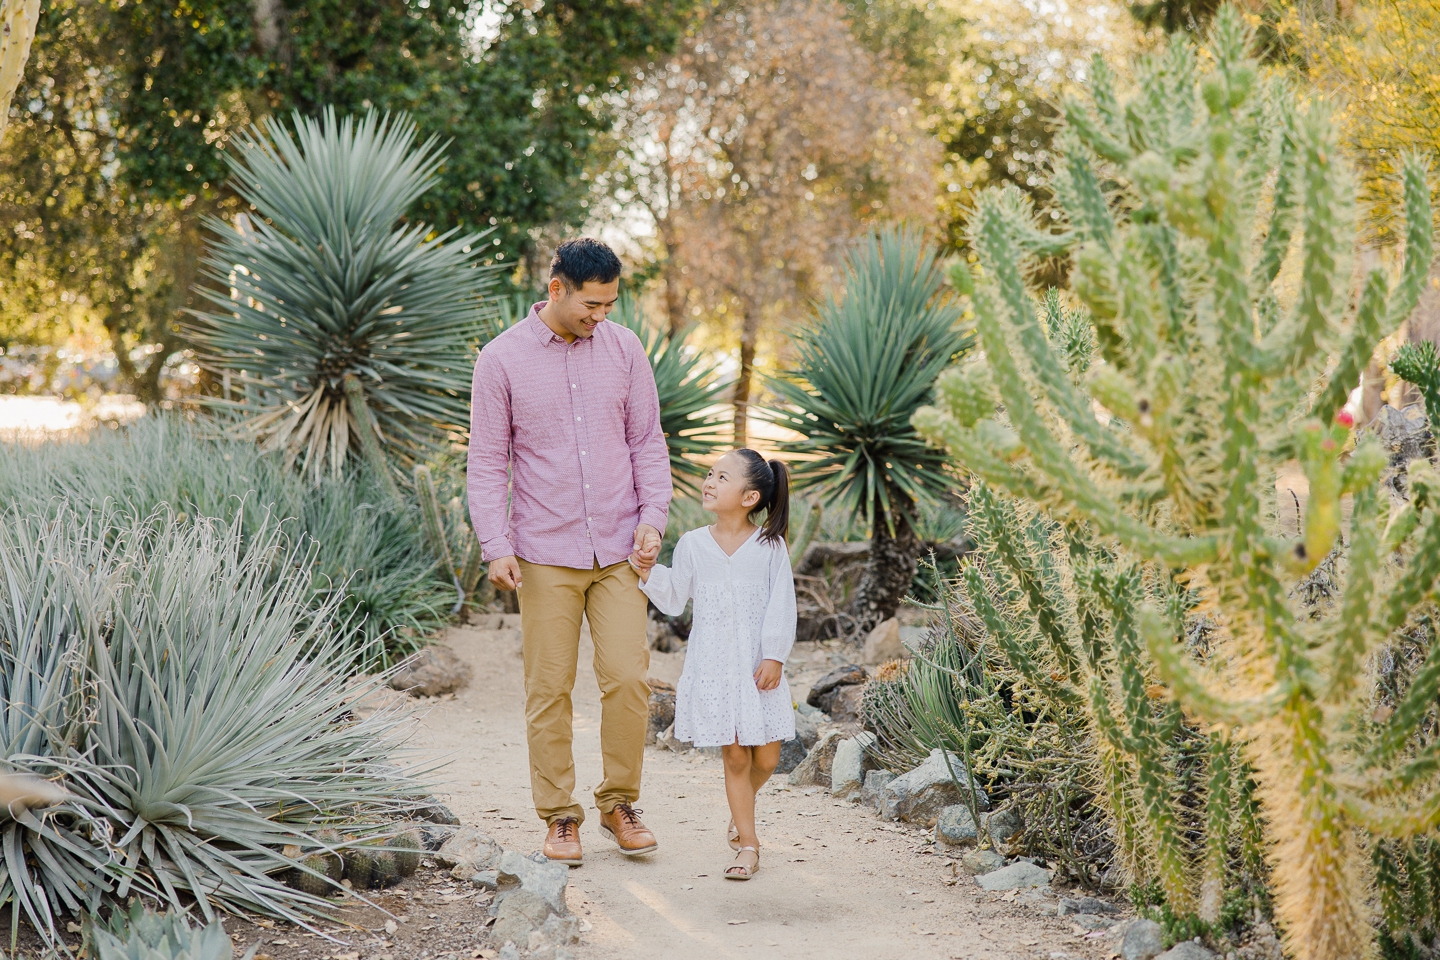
777 632
670 588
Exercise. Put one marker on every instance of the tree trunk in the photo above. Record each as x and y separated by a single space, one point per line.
670 273
888 575
749 329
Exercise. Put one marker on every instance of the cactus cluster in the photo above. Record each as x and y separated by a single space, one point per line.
1179 208
331 859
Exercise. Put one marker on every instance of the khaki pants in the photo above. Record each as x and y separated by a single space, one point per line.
552 600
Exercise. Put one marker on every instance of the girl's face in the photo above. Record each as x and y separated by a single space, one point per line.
725 490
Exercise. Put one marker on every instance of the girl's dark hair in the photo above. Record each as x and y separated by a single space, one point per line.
772 479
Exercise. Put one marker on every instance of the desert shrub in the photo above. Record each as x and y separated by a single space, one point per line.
182 684
370 555
1178 208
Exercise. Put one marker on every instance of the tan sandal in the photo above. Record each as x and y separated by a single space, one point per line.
732 836
742 871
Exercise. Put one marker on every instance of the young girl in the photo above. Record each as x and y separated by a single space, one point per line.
732 693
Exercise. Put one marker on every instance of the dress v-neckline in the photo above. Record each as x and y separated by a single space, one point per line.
730 556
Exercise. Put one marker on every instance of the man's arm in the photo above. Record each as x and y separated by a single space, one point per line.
487 478
649 456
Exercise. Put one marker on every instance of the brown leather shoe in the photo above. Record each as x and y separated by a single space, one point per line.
562 842
623 825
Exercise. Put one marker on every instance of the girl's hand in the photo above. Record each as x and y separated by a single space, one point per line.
644 571
767 675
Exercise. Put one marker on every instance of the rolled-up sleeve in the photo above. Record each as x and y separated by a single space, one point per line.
487 478
777 631
649 455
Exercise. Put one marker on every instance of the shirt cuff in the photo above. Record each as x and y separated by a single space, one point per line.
496 548
655 517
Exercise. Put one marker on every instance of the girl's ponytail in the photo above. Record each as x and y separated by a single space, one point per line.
777 517
772 480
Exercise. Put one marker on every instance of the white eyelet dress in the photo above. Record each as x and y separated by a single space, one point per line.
744 613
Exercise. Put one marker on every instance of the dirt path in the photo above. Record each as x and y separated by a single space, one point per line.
833 875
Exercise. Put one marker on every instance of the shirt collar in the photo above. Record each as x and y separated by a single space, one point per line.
542 332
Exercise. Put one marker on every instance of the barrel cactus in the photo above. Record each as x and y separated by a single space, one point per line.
1179 207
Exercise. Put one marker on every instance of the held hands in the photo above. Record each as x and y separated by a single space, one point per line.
504 573
647 550
767 675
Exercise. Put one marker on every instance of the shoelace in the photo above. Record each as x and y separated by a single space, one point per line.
631 815
565 828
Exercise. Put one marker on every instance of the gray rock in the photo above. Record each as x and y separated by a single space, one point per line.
471 848
814 770
956 827
913 637
920 795
847 771
1018 876
813 714
1142 941
662 708
792 754
846 704
485 879
883 644
436 812
535 876
562 930
431 672
843 675
667 740
508 952
1002 826
1075 905
1092 921
978 862
434 835
874 788
806 727
1187 950
487 621
518 914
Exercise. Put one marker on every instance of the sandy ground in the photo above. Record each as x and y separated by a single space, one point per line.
832 875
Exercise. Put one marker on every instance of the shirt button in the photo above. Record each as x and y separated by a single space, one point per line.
579 418
574 386
582 453
587 486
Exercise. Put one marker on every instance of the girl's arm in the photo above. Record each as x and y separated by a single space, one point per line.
777 632
669 588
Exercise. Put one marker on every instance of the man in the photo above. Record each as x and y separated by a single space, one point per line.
567 403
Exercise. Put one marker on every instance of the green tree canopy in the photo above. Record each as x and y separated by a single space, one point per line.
112 159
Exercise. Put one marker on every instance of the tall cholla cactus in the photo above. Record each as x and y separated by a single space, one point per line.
1183 204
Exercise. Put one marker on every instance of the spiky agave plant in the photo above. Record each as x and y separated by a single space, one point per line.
146 935
865 363
1182 203
369 551
344 329
179 682
689 384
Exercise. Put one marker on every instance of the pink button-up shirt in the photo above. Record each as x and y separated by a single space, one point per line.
578 427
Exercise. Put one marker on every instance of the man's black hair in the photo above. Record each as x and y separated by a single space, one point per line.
582 260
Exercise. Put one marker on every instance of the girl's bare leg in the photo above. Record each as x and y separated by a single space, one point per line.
763 761
740 790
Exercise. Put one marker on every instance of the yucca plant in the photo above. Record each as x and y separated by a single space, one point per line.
180 683
864 364
689 384
345 329
1178 208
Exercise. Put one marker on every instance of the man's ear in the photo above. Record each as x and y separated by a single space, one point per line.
556 288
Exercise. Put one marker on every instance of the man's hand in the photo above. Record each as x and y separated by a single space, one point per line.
505 573
647 547
767 675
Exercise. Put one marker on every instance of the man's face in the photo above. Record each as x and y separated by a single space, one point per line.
580 311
